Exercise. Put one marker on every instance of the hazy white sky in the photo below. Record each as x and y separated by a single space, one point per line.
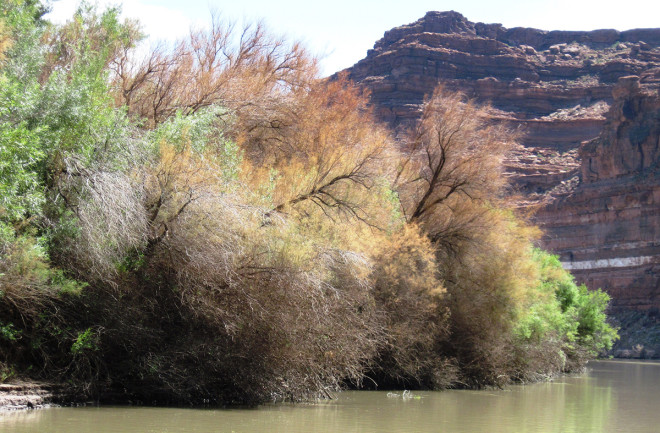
343 30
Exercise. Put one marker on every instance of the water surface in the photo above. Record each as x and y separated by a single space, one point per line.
612 396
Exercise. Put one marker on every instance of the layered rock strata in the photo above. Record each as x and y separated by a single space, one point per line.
607 229
29 395
554 85
599 202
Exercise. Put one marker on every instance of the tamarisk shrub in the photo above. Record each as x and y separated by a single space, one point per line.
411 297
450 184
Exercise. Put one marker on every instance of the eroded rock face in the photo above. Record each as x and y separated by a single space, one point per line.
607 230
555 85
599 202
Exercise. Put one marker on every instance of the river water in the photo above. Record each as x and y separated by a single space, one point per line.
613 396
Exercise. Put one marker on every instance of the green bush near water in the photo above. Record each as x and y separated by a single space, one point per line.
571 320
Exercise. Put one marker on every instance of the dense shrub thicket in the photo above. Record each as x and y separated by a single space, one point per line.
214 223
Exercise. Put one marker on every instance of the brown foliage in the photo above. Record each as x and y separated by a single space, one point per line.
259 254
252 311
290 310
317 137
276 317
454 160
488 285
236 69
412 301
111 221
452 186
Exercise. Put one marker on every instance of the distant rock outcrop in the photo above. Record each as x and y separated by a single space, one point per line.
589 107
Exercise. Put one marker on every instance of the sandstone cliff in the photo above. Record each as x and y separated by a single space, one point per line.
555 85
607 229
588 105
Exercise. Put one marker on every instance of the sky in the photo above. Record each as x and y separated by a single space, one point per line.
341 31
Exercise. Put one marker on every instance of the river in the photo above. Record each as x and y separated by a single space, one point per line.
612 396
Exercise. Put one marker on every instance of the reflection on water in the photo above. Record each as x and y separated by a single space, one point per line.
612 397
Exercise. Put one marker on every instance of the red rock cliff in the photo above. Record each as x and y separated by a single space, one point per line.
599 202
607 229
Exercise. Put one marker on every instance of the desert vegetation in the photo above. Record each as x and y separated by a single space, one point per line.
214 223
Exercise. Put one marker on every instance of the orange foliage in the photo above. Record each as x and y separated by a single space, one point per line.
329 155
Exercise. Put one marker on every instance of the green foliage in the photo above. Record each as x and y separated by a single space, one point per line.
8 332
56 121
23 257
133 261
573 319
65 285
231 160
567 295
391 197
23 12
86 340
190 132
51 114
21 192
199 135
6 373
21 152
594 333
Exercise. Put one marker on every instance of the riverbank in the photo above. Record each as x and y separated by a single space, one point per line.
22 395
611 397
28 395
639 333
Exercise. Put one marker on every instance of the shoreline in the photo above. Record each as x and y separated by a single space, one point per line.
25 395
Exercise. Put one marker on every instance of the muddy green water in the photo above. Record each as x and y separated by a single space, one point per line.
612 396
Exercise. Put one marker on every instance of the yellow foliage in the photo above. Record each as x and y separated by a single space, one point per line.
500 260
407 263
5 40
179 177
412 300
